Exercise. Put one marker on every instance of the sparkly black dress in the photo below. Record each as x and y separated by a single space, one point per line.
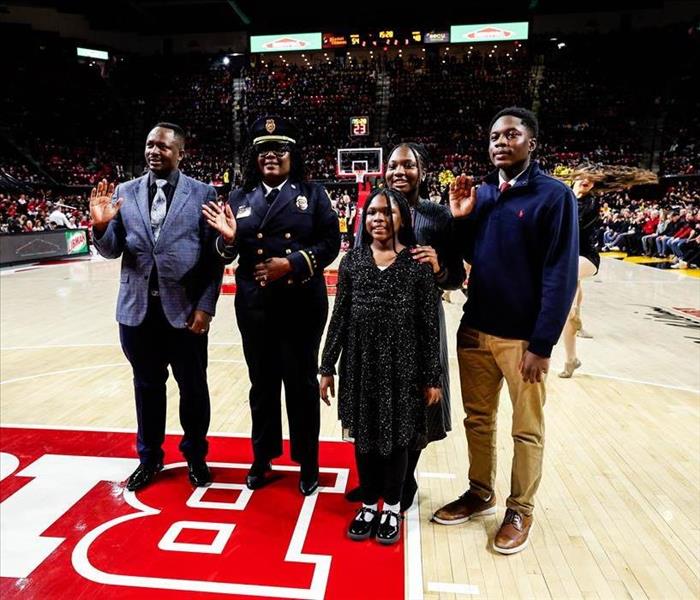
385 322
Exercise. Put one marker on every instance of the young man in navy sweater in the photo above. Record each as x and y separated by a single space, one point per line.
519 231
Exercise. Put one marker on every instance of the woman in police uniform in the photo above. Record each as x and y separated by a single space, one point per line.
284 232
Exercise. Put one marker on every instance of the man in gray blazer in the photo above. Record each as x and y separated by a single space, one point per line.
167 295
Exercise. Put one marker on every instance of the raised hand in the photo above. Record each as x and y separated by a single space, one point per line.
462 196
221 219
102 209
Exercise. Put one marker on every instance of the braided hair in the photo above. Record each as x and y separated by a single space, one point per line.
420 153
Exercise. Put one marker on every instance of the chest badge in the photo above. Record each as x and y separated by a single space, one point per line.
243 211
302 203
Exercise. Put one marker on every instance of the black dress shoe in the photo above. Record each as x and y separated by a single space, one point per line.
410 487
389 528
199 473
142 476
256 476
354 495
308 487
360 528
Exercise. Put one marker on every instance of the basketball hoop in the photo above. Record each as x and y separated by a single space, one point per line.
359 175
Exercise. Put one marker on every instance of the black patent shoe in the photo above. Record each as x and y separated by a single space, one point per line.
256 477
308 479
361 529
199 473
308 487
142 476
389 528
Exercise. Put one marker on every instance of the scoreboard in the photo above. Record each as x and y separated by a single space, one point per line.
371 39
386 38
359 126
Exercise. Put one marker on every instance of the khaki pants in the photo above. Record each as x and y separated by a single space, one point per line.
484 362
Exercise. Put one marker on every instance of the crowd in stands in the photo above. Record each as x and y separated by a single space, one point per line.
596 103
41 211
680 140
668 227
592 94
323 98
445 101
69 123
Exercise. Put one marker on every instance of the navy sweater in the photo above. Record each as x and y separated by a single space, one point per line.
523 248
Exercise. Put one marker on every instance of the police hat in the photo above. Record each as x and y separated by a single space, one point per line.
272 128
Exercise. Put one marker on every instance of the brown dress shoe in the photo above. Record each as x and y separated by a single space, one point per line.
513 535
467 506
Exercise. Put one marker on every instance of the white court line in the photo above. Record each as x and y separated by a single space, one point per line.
641 382
62 372
36 267
322 563
222 434
414 561
453 588
628 380
427 475
601 375
45 346
125 364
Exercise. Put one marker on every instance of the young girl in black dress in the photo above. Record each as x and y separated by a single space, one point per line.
385 323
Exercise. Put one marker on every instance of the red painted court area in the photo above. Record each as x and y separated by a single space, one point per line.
69 530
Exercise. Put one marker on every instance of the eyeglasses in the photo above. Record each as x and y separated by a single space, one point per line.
279 152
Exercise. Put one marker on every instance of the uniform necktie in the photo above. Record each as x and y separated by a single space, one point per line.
504 186
273 193
158 208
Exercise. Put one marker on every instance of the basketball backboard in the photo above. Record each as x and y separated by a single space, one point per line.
353 161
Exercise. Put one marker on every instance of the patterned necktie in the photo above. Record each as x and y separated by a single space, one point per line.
504 186
272 195
158 208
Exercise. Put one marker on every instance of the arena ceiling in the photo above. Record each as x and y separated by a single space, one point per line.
256 16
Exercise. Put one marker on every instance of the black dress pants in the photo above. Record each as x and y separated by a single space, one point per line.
150 347
281 336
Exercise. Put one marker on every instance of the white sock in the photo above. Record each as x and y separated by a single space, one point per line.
394 508
367 515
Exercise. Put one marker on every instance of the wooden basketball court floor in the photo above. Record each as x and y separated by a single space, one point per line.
618 510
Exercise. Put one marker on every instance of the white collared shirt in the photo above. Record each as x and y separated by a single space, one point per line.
512 182
268 189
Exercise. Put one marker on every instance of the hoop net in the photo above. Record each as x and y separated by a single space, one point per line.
359 175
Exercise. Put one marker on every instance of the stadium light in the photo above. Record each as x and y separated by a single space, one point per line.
226 61
90 53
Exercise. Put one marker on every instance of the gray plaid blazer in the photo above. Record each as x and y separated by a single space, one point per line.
189 277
